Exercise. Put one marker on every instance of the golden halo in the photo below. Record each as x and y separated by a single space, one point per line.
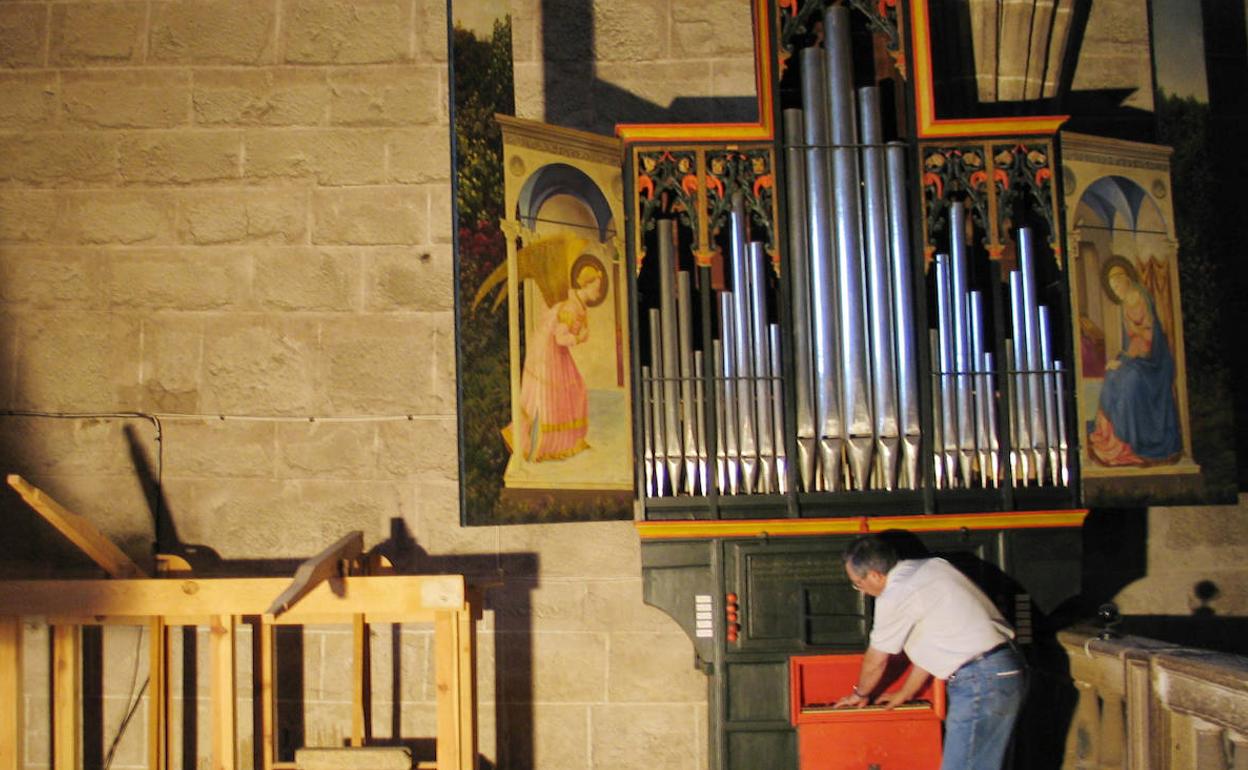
1127 267
590 261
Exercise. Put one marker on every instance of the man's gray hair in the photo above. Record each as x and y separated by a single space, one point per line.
870 552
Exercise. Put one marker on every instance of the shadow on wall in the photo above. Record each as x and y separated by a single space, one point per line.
577 97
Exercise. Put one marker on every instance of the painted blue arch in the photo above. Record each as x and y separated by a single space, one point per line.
1115 194
562 179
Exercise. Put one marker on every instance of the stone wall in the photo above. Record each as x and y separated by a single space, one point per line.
236 214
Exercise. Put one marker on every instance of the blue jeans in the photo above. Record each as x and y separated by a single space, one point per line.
984 700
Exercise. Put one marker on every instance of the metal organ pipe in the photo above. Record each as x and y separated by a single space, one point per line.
796 158
1035 397
879 286
777 403
961 340
743 347
656 403
846 204
979 385
944 376
728 347
1048 391
899 253
670 350
684 328
829 428
1022 446
761 354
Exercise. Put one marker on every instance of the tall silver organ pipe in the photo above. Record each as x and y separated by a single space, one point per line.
656 403
719 399
777 409
761 354
944 372
700 426
846 205
829 428
1048 391
994 441
961 340
1020 397
670 375
743 347
647 425
980 387
684 328
1035 395
795 156
899 252
879 286
728 349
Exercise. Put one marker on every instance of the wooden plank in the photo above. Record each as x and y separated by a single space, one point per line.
359 675
11 705
466 650
318 569
222 692
268 695
446 678
66 696
157 696
413 598
79 530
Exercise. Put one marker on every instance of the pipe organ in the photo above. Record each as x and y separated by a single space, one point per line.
851 317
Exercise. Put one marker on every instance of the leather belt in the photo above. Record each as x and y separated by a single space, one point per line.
1007 644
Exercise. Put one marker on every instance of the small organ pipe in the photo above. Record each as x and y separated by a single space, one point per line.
994 442
728 343
684 325
1022 443
1049 392
1063 447
656 403
777 413
938 423
948 401
700 432
720 399
743 347
979 383
647 423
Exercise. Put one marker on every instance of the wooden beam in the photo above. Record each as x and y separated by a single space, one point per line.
222 691
316 570
79 530
454 645
11 705
157 696
66 696
359 680
268 695
409 598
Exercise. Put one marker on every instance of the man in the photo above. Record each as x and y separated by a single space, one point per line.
948 628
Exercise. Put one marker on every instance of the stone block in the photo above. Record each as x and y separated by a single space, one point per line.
333 665
23 30
30 99
85 33
120 217
27 216
653 668
386 96
155 98
441 216
420 155
181 157
734 78
552 668
263 519
268 97
422 447
58 158
213 32
375 216
430 32
67 279
355 758
326 156
588 550
617 605
70 449
346 31
327 450
644 735
549 736
718 29
639 31
380 365
220 449
293 279
409 279
75 362
660 83
260 366
172 350
210 217
177 279
547 606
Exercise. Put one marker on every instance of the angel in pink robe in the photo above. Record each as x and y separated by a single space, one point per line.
554 413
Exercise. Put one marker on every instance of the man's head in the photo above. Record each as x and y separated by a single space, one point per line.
868 559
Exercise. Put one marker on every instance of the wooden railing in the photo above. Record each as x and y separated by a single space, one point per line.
1147 705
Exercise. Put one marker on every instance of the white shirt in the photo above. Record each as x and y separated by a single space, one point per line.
937 615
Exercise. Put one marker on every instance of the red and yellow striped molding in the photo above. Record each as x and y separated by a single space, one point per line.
931 127
949 522
763 130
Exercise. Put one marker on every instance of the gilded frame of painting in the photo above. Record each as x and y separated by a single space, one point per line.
1126 316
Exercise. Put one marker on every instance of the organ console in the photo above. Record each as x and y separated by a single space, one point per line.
853 318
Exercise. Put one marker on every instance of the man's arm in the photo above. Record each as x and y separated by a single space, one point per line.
873 664
914 682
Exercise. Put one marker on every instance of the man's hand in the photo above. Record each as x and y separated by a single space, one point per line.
891 700
853 700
